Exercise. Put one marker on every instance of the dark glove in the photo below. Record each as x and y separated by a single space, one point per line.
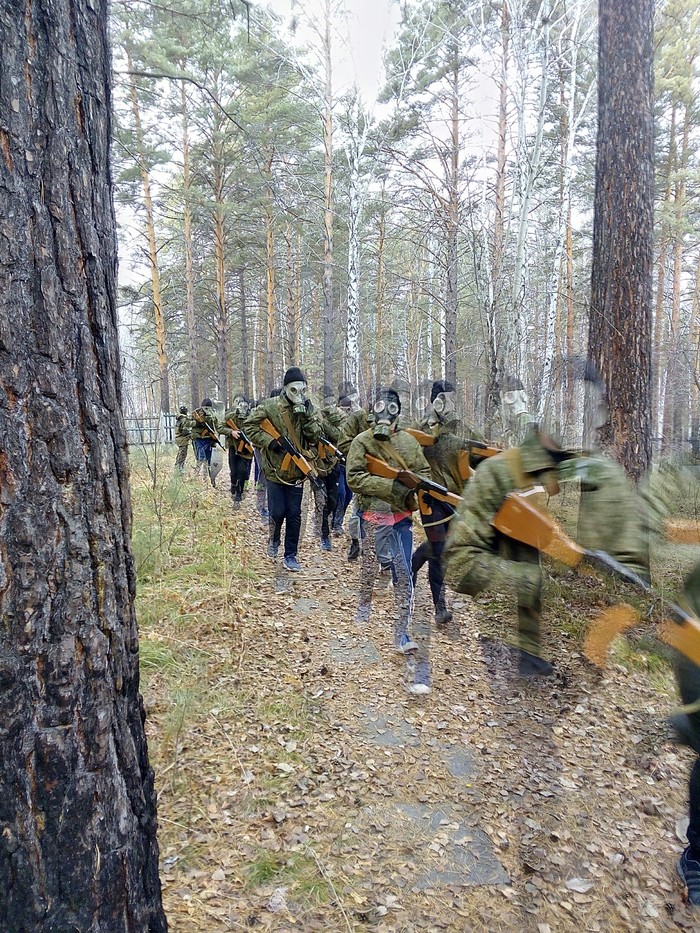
275 446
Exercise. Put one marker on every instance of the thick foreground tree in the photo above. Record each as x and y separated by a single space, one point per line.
621 292
78 848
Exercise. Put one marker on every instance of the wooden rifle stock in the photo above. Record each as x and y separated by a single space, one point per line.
243 440
200 419
519 519
297 457
411 480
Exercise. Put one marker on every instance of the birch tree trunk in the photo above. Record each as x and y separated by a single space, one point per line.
620 318
78 848
451 297
675 401
354 149
328 316
158 315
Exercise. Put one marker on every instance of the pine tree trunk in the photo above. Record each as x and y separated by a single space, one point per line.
620 318
270 284
195 396
245 352
220 277
158 314
78 847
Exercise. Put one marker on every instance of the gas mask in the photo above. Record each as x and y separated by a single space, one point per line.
241 407
297 394
444 406
515 404
386 411
354 402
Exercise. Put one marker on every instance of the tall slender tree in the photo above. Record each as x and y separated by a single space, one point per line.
621 278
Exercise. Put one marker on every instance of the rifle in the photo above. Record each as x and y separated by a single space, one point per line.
333 449
519 519
482 450
202 420
423 438
411 480
296 456
243 437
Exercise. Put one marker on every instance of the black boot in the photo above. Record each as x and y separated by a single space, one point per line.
443 616
354 549
530 665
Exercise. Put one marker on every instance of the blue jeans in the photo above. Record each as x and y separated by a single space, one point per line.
284 503
344 499
394 544
202 450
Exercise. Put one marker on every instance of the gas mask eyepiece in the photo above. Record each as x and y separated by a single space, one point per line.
385 410
296 393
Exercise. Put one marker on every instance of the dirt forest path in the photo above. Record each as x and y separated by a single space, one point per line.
302 788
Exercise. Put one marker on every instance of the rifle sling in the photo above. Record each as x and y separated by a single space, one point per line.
294 437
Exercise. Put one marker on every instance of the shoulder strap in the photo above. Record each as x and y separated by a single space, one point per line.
294 437
393 452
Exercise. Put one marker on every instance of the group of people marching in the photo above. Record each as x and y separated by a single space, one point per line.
461 486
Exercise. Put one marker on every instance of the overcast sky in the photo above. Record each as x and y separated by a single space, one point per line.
369 25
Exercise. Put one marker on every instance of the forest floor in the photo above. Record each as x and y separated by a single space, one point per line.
302 788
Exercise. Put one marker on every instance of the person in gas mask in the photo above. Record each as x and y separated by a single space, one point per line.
357 420
292 415
450 464
183 433
477 557
205 430
240 453
328 467
385 508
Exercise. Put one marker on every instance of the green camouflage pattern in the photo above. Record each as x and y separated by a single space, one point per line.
183 428
332 420
375 493
308 427
477 557
452 437
199 432
353 424
231 441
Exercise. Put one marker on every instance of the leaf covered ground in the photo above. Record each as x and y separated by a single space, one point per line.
302 788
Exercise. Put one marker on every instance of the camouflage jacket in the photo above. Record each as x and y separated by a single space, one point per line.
375 493
332 422
448 454
183 427
478 557
277 465
353 424
236 443
199 432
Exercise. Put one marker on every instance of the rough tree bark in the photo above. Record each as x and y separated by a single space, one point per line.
621 281
78 846
245 361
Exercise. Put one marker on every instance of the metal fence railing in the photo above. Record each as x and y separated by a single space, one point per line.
150 429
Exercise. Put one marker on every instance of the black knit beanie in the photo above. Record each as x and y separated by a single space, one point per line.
440 385
294 374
